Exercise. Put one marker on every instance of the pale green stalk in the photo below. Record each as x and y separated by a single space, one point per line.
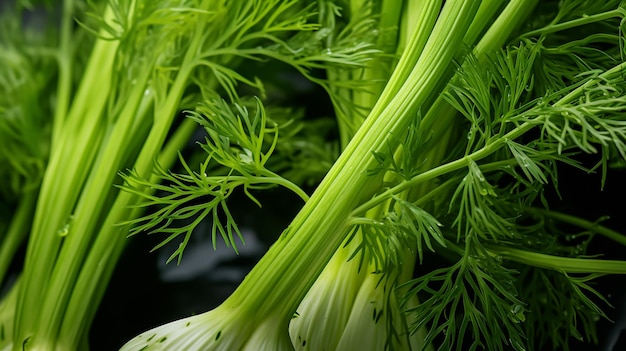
57 303
84 221
270 294
441 115
595 227
322 295
322 315
7 314
378 70
346 184
110 239
55 202
557 263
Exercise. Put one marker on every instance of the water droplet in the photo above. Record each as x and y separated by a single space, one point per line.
66 228
63 231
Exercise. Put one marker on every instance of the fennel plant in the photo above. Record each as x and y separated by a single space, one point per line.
453 117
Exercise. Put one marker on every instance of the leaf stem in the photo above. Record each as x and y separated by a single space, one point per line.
575 23
91 202
582 223
112 237
491 146
561 264
284 275
54 206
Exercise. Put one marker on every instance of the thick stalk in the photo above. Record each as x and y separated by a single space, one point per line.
421 27
56 202
282 277
432 158
488 149
377 70
111 238
439 118
7 315
91 284
581 223
81 229
561 264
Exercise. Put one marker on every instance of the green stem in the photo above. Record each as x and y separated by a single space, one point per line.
561 264
487 150
346 120
581 223
69 164
285 183
7 315
283 276
423 24
93 289
618 13
429 175
440 117
374 74
111 238
91 203
177 141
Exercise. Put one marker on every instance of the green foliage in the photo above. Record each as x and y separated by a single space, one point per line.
562 304
384 241
237 140
432 149
306 149
524 119
474 301
240 144
27 71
